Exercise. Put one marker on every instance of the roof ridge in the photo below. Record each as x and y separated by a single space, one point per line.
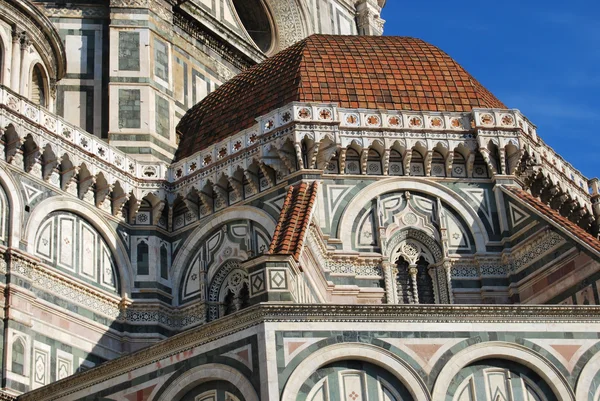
554 217
294 218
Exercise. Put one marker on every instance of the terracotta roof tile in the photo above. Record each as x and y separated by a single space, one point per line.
374 72
554 217
294 220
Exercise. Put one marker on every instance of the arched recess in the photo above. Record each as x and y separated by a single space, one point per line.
69 243
14 207
498 379
506 351
399 184
586 378
205 373
91 215
358 380
361 352
39 85
188 248
2 59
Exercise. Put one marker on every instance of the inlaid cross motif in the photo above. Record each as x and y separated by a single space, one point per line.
353 395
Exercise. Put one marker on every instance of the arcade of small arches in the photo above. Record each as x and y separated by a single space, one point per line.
466 160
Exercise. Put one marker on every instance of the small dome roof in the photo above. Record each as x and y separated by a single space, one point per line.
371 72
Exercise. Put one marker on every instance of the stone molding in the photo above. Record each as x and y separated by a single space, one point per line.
113 308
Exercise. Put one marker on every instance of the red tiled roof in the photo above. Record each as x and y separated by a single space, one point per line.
554 217
294 220
374 72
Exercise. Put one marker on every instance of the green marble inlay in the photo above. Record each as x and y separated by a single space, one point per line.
129 108
129 51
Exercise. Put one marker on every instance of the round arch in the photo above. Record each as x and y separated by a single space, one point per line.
589 372
507 351
91 215
15 203
218 219
27 81
204 373
399 184
358 351
290 20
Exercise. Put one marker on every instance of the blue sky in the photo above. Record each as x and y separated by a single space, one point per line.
541 57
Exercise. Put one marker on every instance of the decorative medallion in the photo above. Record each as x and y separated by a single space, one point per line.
222 152
352 119
325 114
286 117
416 122
486 119
304 113
437 122
207 160
373 120
252 138
410 219
179 173
237 146
269 124
193 167
456 123
394 121
508 120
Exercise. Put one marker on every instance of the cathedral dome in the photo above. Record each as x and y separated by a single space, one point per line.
371 72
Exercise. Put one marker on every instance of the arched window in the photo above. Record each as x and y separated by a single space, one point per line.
164 262
424 283
143 265
396 167
417 166
415 291
18 357
352 162
374 163
38 86
438 166
404 282
459 166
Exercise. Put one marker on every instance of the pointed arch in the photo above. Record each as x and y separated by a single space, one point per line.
188 250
